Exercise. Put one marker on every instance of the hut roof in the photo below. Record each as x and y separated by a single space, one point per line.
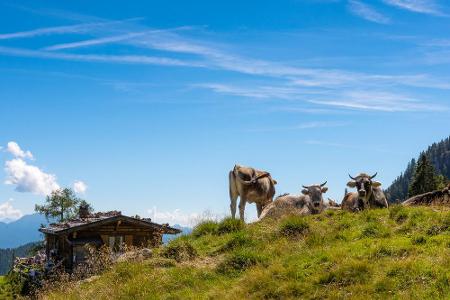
97 219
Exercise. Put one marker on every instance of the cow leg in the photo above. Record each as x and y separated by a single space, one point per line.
233 205
258 209
242 208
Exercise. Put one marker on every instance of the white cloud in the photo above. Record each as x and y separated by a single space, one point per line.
15 150
419 6
379 101
73 29
79 187
176 217
8 212
29 178
367 12
302 126
128 59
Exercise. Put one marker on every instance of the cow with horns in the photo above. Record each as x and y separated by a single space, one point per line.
310 202
252 186
368 194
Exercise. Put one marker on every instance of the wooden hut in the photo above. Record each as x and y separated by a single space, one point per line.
66 241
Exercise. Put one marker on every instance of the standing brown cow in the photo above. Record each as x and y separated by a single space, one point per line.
368 194
252 186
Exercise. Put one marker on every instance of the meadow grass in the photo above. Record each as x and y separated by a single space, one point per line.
396 253
5 291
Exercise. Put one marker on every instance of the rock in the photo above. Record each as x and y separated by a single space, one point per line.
146 253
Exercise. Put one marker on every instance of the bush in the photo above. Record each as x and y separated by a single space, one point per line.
205 228
240 260
180 250
228 225
293 226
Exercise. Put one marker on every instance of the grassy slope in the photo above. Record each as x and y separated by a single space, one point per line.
400 253
5 292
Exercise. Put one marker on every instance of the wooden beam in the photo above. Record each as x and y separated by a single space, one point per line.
117 225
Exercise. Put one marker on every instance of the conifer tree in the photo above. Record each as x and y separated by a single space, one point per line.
425 178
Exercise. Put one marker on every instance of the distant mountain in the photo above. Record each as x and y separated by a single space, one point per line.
22 231
439 155
184 230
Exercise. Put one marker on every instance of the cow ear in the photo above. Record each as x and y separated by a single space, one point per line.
305 192
324 189
351 184
376 183
274 181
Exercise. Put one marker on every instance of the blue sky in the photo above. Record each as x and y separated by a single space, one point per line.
147 106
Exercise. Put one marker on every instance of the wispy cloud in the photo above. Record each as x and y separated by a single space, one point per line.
367 12
364 99
302 126
70 29
419 6
128 59
379 101
276 80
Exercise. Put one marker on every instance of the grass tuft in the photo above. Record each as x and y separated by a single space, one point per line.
241 260
293 226
204 228
179 250
229 225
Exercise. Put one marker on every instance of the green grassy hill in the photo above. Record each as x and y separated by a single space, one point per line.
5 292
400 253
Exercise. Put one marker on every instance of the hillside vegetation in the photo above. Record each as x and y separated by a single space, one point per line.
438 154
396 253
6 255
5 291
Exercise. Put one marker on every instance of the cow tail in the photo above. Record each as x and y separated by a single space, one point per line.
233 188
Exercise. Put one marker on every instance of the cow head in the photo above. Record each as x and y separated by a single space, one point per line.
364 185
315 195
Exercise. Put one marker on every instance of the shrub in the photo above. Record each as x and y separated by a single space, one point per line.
228 225
293 226
180 250
240 260
204 228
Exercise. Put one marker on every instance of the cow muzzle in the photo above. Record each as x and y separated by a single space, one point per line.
362 193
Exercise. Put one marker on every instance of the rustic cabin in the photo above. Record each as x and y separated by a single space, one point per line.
65 242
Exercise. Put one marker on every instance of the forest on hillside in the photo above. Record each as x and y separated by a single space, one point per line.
439 156
6 255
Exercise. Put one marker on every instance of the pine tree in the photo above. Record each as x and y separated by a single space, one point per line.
425 178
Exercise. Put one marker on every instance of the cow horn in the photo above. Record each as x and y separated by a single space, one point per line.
351 177
305 187
374 175
323 184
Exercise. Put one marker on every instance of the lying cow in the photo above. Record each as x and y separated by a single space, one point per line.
252 186
331 204
310 202
368 194
438 198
